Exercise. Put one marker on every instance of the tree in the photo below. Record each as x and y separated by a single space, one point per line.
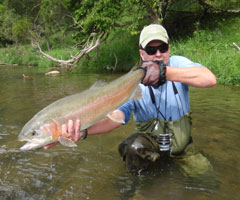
7 19
92 21
101 17
52 18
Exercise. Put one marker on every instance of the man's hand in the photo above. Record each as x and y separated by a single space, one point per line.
152 73
72 131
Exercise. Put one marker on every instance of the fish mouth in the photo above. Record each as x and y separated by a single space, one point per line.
30 146
32 140
33 143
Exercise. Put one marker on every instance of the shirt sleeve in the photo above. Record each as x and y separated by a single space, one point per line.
127 109
181 61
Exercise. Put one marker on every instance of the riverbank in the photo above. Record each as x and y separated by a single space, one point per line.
211 42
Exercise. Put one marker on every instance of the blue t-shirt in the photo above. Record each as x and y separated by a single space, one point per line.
171 105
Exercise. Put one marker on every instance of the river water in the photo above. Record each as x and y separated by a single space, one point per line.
94 169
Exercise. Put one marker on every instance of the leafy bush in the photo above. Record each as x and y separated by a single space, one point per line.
209 42
121 48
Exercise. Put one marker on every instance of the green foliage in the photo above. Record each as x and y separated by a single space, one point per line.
17 55
96 17
204 40
7 20
121 46
24 8
48 17
53 15
58 41
104 16
145 12
185 5
224 4
45 17
20 30
213 47
26 55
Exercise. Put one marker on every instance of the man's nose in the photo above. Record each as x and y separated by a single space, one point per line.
158 53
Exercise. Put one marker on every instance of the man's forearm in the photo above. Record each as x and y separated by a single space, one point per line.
107 124
196 76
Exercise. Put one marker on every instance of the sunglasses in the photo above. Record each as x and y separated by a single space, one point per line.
151 50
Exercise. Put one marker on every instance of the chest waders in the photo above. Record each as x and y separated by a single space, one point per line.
171 136
156 138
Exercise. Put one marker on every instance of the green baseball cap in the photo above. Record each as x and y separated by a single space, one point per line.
153 32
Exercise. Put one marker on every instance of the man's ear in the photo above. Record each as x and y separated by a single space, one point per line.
141 53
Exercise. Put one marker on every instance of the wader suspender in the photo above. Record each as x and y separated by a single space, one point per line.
154 101
158 109
153 97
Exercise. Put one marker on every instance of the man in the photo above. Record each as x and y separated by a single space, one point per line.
162 115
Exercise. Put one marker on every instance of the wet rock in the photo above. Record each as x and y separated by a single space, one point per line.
52 73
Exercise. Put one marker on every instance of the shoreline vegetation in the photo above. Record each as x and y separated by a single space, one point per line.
213 42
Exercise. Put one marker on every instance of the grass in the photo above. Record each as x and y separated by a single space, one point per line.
121 48
213 47
207 41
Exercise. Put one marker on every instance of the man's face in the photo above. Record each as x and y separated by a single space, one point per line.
164 56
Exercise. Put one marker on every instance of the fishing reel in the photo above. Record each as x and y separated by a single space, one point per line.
164 139
165 142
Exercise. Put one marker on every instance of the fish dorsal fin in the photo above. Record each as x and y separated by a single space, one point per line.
115 117
137 93
98 84
66 141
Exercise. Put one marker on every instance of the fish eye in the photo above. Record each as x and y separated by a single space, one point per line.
33 133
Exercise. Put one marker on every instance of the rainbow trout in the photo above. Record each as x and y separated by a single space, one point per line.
90 106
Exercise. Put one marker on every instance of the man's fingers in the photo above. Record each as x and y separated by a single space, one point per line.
77 130
64 130
146 79
70 129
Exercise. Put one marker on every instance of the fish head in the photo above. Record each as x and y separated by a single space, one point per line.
37 134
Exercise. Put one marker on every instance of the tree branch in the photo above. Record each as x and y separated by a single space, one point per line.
90 45
236 46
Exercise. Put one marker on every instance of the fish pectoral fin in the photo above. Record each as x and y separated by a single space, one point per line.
137 93
116 117
66 141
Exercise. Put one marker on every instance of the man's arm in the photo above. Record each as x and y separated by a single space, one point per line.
106 125
196 76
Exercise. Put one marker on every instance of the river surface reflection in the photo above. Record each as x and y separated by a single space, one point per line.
94 169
